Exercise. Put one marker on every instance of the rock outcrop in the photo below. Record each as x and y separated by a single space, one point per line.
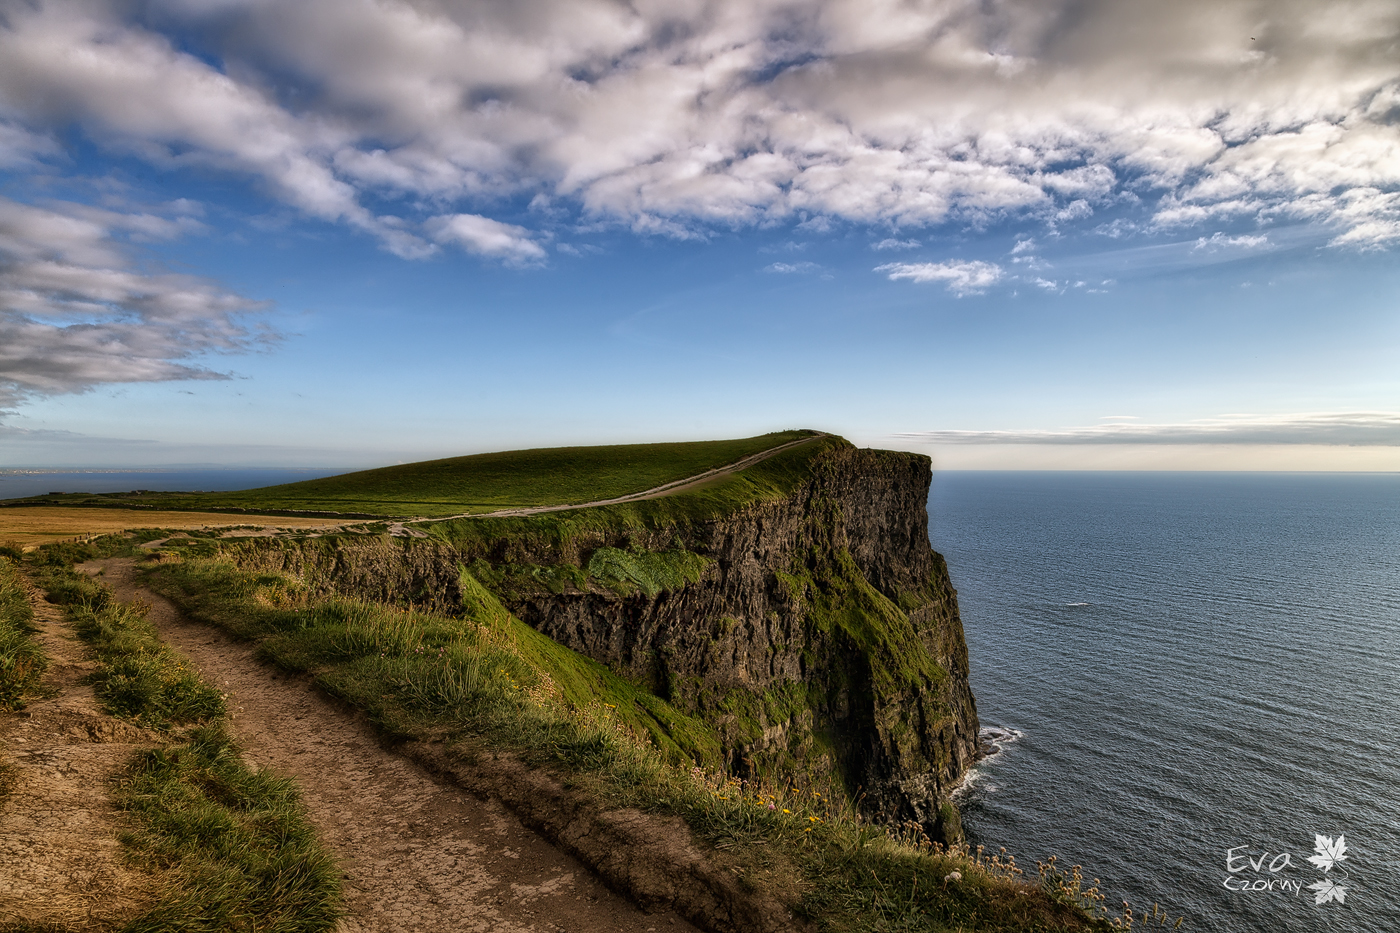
817 633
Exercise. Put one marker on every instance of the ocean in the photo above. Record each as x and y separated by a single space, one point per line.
1196 682
15 484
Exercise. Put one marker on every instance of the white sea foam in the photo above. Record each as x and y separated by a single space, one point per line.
974 778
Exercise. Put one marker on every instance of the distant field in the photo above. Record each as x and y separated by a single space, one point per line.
26 525
479 483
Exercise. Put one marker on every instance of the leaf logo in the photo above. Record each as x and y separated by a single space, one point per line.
1329 853
1328 890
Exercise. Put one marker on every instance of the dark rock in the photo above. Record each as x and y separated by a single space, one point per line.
822 641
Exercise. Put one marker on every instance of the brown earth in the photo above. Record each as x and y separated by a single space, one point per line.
60 862
419 853
34 525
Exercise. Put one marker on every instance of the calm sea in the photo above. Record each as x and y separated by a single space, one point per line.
17 483
1198 675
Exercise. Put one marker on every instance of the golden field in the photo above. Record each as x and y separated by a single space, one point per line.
33 525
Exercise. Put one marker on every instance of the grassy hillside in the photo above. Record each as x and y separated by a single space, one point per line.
766 481
483 681
479 483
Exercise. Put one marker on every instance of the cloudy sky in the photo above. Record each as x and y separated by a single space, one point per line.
1010 233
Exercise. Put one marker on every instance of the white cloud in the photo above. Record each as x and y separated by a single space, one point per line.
963 278
891 243
486 237
1219 240
133 90
75 312
20 148
673 117
790 268
1367 428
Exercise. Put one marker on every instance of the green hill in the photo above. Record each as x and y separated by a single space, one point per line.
478 483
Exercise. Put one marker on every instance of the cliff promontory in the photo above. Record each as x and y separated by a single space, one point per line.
795 609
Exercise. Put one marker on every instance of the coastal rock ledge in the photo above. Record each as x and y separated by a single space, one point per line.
815 632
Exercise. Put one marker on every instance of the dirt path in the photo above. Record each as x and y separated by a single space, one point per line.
418 854
60 862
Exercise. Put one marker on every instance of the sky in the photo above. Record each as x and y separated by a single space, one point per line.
1011 234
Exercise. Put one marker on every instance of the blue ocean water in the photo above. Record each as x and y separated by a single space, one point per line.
17 483
1199 674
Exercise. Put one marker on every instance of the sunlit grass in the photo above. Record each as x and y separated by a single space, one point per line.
22 660
232 845
477 483
476 682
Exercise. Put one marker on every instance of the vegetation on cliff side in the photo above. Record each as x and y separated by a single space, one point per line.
485 681
474 678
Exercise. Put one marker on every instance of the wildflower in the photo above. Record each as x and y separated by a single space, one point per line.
952 876
786 810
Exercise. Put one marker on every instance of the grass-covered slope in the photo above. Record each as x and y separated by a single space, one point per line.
478 483
766 481
483 682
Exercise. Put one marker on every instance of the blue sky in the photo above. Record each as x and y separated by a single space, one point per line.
1011 235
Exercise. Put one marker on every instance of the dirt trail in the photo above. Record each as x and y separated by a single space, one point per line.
60 862
419 854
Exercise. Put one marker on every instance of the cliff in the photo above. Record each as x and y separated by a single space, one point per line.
809 624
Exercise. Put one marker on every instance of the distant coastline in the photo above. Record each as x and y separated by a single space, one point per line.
16 482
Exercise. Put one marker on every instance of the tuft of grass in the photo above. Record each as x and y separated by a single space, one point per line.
139 678
238 841
651 572
22 661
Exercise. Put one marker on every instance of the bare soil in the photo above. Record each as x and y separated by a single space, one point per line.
418 852
60 861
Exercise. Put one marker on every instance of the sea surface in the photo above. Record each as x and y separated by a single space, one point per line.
17 483
1196 676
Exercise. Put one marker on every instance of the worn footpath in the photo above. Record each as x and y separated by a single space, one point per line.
61 865
419 854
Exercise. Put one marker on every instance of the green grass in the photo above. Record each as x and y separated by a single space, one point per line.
22 661
237 840
479 483
138 678
234 845
486 681
569 534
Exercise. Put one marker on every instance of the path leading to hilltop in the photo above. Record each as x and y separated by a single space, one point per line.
666 489
419 854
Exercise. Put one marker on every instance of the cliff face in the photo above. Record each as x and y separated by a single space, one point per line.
824 638
818 634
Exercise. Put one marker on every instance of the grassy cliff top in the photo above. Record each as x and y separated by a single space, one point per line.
474 484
